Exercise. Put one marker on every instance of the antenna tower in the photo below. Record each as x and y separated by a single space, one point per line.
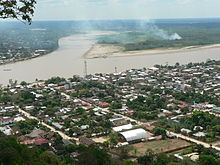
116 70
85 68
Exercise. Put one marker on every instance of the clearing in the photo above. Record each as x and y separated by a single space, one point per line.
160 146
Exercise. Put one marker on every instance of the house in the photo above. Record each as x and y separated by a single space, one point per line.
6 130
71 91
88 107
68 85
119 121
199 134
183 104
36 133
84 103
84 127
37 142
160 115
6 120
123 127
74 154
216 110
153 69
159 137
67 142
40 142
198 128
130 112
187 131
19 118
97 109
28 108
10 108
148 127
104 105
166 112
57 125
135 135
155 138
86 141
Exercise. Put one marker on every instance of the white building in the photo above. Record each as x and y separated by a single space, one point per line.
6 130
134 135
199 134
6 120
123 127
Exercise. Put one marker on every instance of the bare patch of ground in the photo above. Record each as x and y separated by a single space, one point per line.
106 51
160 146
100 139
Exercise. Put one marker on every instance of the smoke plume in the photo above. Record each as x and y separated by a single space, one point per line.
152 29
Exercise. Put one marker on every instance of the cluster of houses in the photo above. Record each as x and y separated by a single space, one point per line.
8 116
73 111
18 49
196 132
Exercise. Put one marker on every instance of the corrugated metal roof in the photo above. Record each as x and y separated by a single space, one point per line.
135 134
123 127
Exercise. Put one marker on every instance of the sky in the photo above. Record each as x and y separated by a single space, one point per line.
125 9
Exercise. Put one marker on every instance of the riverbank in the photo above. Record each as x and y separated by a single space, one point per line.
68 60
26 59
108 51
90 34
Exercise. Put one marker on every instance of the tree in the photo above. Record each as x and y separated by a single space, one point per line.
17 9
26 97
113 138
49 158
116 105
155 159
124 151
207 159
160 131
5 99
147 159
94 156
55 80
13 153
23 83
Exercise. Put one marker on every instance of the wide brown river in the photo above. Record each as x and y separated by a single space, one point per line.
67 61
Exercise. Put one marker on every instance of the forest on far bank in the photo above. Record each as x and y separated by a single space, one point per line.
162 35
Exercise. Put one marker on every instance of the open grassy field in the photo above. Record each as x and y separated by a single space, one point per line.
159 146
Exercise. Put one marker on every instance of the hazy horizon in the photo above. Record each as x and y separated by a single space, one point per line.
125 9
149 20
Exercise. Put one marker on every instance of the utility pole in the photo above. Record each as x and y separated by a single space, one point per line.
85 68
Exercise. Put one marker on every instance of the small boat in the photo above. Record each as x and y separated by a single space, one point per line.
6 70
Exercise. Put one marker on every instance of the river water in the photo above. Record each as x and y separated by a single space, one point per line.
67 61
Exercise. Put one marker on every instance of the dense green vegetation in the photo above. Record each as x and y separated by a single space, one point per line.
54 80
27 126
192 96
160 35
210 125
146 108
207 156
13 153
